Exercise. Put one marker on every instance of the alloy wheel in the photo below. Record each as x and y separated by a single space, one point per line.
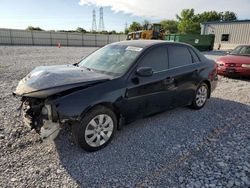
99 130
201 96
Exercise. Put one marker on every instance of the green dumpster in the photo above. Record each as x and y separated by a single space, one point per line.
201 42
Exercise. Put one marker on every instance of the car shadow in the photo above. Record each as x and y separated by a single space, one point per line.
145 145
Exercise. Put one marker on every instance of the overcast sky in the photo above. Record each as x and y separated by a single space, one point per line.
70 14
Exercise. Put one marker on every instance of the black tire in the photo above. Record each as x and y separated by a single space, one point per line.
195 105
78 130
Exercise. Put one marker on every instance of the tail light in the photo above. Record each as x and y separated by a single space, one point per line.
213 73
246 65
232 65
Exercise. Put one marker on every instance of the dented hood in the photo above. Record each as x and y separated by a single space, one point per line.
44 81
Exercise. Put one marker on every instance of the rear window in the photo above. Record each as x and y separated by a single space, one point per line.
179 56
194 55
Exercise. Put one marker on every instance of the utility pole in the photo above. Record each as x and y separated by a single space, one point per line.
94 21
101 21
126 27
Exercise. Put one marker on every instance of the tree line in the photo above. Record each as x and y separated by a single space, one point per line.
187 22
78 30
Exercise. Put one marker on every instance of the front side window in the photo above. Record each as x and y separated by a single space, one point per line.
112 59
179 56
156 58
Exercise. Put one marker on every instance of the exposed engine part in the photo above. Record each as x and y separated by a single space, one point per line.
38 115
31 112
49 129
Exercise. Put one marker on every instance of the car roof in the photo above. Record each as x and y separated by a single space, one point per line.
148 43
140 43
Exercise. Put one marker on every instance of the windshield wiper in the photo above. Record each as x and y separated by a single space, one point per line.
89 69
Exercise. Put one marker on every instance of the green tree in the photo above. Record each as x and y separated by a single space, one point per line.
216 16
188 22
170 26
209 16
112 32
61 31
104 32
31 28
229 16
135 26
81 30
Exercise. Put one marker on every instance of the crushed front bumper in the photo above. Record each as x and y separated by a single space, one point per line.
39 116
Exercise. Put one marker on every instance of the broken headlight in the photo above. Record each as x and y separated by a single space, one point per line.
47 111
44 111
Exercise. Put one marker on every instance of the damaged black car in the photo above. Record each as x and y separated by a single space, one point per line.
114 85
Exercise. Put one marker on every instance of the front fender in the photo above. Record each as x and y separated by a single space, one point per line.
74 105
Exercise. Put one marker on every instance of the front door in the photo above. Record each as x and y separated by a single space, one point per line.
149 95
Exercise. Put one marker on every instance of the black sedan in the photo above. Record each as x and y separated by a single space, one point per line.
113 86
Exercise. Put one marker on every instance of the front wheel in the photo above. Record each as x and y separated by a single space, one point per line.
96 129
200 97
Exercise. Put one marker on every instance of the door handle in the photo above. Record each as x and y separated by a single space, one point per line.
196 70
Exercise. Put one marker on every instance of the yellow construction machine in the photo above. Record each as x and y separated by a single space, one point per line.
149 31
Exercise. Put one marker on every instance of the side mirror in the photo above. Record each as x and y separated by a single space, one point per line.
144 71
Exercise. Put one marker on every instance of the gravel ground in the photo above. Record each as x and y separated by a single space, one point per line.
178 148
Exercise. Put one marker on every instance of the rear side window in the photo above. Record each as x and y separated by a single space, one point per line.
194 55
156 59
179 56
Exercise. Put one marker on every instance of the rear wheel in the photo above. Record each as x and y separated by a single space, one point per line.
200 96
96 129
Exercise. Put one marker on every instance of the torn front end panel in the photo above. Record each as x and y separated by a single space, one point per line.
40 116
46 84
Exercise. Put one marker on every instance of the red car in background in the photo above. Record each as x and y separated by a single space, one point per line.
236 63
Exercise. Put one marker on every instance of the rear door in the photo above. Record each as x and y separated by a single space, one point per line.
184 68
149 95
